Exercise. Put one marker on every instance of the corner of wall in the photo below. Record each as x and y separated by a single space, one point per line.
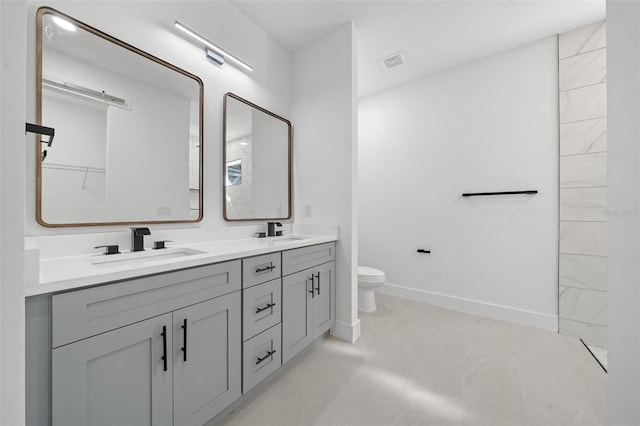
324 113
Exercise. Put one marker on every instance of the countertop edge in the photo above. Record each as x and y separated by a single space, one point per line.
99 277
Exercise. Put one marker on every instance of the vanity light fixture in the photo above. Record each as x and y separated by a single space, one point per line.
215 57
214 52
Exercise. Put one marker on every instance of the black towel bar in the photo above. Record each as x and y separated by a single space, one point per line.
475 194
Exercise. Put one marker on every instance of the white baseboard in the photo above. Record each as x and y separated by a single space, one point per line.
347 332
475 307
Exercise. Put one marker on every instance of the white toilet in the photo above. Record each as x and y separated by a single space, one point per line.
368 280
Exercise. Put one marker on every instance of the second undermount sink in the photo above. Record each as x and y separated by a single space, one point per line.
141 257
285 239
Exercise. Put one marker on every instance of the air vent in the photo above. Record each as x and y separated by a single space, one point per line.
392 61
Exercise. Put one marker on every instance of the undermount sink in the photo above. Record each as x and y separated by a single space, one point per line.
286 239
141 257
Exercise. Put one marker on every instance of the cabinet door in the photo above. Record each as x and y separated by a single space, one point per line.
296 314
115 378
324 300
207 378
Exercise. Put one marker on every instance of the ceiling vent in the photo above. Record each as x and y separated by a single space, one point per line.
392 61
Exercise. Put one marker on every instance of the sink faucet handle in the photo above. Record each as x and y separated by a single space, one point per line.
109 249
160 244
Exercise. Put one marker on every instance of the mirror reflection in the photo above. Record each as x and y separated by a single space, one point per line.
128 142
257 162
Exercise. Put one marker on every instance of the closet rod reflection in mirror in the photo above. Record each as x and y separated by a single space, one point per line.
129 130
257 162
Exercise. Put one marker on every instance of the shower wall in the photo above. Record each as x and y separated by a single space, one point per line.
583 184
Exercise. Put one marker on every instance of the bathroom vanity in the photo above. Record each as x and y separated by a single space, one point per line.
172 337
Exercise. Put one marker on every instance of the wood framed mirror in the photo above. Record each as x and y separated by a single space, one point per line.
128 131
257 167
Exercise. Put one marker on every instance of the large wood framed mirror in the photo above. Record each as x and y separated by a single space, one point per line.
257 162
128 130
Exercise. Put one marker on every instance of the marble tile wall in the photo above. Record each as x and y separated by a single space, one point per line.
583 137
582 293
580 271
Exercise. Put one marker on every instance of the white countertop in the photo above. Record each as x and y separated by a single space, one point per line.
71 272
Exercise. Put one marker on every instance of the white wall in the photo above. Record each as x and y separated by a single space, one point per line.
269 144
623 103
488 126
71 194
12 139
138 143
149 26
324 118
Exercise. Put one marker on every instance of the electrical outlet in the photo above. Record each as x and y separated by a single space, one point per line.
308 210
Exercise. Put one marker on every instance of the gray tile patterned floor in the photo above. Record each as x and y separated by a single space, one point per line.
418 364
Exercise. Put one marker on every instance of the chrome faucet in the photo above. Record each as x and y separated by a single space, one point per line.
137 238
271 228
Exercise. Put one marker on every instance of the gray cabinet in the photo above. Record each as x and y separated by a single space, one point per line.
177 348
324 300
206 377
261 307
308 299
261 357
115 378
307 257
83 313
261 315
260 269
181 367
297 314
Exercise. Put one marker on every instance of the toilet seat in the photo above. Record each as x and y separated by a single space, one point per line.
371 275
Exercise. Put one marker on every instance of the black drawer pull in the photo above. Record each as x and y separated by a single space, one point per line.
269 354
269 305
164 346
318 288
424 251
184 348
313 291
265 269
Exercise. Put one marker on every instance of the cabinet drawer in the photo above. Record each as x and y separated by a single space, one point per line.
260 269
261 307
83 313
307 257
261 357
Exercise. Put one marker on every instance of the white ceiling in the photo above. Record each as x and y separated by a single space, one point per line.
434 35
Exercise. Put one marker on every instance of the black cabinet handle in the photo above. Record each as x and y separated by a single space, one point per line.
269 354
164 346
424 251
268 268
313 292
269 305
184 348
318 288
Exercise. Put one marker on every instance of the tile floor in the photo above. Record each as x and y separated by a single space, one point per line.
601 354
417 364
